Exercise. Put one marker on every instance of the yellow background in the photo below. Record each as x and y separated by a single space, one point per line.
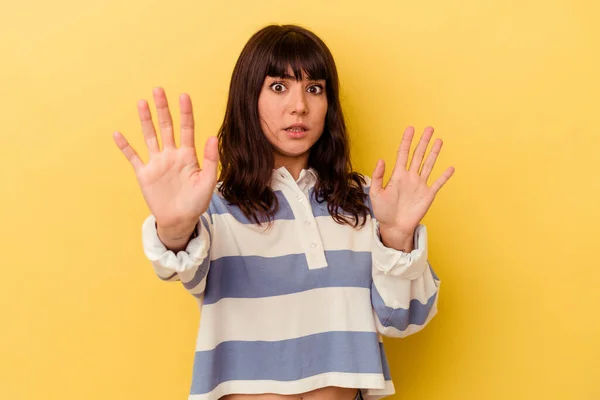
511 87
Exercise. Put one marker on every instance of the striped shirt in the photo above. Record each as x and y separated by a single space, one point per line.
299 305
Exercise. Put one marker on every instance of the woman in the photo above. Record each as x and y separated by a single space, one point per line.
299 264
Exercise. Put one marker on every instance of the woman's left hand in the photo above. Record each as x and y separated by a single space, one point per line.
403 202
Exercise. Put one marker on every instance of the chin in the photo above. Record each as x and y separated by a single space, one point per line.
292 149
290 146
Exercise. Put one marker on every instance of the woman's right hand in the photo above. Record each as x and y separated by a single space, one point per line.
174 186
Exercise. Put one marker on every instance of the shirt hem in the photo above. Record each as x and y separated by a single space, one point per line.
374 386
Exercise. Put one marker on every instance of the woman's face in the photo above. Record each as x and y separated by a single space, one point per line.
283 102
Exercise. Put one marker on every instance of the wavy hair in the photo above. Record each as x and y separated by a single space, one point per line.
245 172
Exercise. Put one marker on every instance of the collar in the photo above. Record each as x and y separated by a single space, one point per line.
307 173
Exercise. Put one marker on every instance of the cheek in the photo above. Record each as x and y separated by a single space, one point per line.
267 112
268 119
322 113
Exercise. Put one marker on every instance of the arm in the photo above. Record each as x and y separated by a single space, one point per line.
189 265
405 289
177 191
175 241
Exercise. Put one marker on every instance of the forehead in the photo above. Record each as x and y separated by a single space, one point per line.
289 75
307 66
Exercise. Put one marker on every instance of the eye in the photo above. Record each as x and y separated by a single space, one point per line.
315 89
277 87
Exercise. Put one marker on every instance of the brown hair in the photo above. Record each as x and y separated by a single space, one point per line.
246 170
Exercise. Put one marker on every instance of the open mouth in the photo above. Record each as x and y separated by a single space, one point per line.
296 129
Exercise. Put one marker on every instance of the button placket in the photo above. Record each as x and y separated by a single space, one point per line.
316 252
306 226
309 232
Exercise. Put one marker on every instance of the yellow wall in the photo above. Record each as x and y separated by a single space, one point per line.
511 88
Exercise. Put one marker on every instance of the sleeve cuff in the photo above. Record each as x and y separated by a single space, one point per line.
193 255
398 263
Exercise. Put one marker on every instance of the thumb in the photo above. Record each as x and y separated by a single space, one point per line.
211 157
377 178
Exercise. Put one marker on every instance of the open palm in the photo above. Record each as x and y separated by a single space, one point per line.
175 188
404 201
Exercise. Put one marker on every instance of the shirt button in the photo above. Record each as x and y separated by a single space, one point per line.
299 198
282 175
313 245
307 222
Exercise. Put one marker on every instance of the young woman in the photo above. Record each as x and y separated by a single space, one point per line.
299 263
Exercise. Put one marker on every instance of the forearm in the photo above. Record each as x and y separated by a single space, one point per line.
187 259
175 240
404 287
397 240
402 306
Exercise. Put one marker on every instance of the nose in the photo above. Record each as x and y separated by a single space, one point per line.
298 102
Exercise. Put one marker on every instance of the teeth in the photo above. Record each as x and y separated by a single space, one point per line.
295 129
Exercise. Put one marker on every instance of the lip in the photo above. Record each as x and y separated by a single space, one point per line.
296 135
298 125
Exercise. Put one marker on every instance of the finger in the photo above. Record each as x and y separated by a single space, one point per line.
128 151
148 127
187 121
419 153
377 178
437 185
211 157
403 151
431 158
165 122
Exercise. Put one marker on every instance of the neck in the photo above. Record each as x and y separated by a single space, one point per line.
294 165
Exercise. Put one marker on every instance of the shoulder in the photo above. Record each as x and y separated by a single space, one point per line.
365 180
218 203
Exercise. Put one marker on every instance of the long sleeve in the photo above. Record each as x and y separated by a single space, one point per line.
405 289
190 266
